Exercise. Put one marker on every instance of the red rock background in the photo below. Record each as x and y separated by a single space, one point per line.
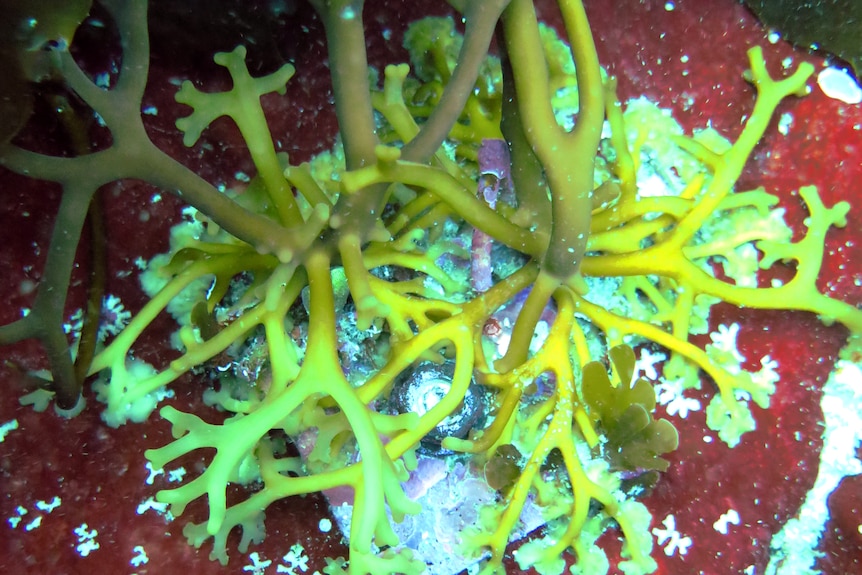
99 472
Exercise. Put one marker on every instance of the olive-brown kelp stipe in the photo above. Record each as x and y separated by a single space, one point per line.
334 302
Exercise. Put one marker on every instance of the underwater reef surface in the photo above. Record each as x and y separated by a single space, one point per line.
77 496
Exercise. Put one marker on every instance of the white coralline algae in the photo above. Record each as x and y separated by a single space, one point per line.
794 548
838 84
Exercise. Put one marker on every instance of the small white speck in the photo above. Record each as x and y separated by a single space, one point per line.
682 405
160 508
839 85
33 524
669 6
670 394
151 111
295 559
176 475
257 566
15 520
731 517
325 525
675 542
153 473
140 556
646 363
102 80
114 317
784 123
86 539
49 506
723 347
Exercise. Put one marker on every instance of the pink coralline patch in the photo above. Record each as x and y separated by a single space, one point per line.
689 59
842 549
